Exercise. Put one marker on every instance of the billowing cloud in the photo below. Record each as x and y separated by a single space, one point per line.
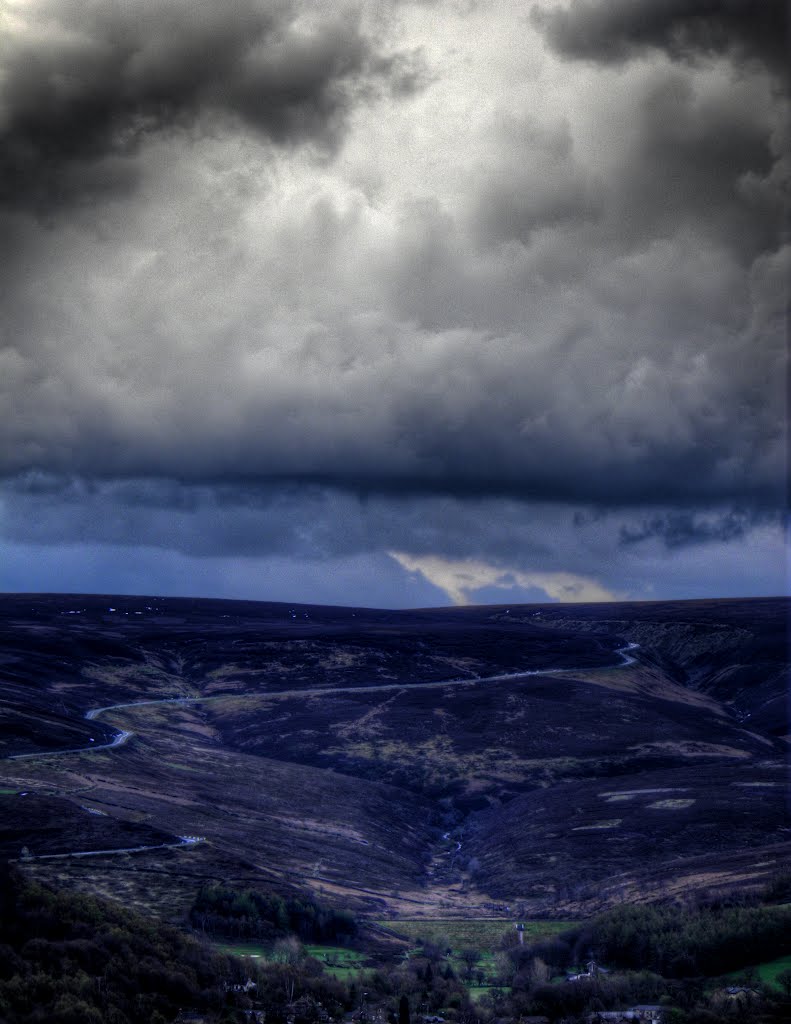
335 259
615 30
84 85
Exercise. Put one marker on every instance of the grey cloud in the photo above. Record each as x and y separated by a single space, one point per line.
586 403
706 148
580 303
315 522
692 156
84 84
537 183
704 159
616 30
289 542
303 521
681 529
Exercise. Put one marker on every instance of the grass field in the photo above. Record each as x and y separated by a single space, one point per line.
484 935
341 963
472 933
767 972
478 991
338 961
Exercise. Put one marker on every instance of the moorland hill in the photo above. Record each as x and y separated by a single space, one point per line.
550 759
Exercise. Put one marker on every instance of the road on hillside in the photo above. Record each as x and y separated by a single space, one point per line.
118 740
183 841
123 736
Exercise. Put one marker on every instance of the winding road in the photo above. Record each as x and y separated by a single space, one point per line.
123 736
118 740
182 841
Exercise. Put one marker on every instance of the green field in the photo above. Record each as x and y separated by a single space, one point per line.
482 934
485 934
336 960
766 973
478 991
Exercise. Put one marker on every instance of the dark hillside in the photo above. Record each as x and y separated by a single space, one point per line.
438 761
737 650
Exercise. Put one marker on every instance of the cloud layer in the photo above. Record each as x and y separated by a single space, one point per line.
311 543
428 252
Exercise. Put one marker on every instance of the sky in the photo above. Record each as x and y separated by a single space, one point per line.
394 304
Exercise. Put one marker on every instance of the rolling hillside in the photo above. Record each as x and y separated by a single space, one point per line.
550 759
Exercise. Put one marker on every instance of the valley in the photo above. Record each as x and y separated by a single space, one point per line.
554 760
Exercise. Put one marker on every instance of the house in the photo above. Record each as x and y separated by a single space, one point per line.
592 969
649 1013
248 986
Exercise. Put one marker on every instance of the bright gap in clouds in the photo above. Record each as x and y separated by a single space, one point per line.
463 579
332 547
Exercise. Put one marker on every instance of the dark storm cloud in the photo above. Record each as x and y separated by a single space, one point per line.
509 281
303 521
327 545
85 83
317 522
680 529
708 158
616 30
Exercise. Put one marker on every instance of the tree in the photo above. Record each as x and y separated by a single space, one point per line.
470 957
288 951
403 1010
538 972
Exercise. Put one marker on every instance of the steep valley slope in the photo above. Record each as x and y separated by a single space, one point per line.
549 759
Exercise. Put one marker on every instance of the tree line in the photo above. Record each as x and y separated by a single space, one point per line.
69 958
248 914
671 941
